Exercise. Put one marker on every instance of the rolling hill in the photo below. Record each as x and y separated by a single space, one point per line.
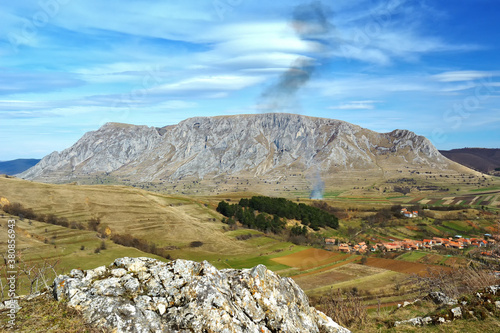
480 159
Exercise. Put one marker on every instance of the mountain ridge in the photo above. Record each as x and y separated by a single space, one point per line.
264 146
481 159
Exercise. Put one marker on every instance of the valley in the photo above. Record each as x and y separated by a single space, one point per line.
343 211
189 227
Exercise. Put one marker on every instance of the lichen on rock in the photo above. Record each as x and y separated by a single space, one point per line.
147 295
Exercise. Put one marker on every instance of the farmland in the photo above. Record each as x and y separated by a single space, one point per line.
175 222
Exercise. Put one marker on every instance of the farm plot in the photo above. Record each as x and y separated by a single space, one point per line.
343 273
402 266
313 281
309 258
432 259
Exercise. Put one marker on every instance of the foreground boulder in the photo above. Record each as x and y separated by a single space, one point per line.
147 295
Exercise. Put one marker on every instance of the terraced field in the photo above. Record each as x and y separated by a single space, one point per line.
490 198
38 243
167 221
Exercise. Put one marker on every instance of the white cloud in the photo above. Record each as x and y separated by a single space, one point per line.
457 76
355 105
209 84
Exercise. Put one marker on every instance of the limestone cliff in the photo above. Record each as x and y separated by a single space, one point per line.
243 145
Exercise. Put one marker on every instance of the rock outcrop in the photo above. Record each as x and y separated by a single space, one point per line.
147 295
478 306
242 145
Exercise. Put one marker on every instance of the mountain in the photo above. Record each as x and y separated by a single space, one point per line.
243 151
17 166
480 159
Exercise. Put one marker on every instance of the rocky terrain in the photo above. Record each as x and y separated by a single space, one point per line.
478 306
147 295
264 146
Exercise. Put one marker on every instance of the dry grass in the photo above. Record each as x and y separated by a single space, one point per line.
403 266
309 258
454 283
347 309
44 314
161 219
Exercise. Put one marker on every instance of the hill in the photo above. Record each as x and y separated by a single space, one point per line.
173 223
480 159
17 166
261 152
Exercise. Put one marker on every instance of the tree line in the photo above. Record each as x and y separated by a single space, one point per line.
266 213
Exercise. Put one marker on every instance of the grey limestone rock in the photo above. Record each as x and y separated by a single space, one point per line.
146 295
250 145
440 298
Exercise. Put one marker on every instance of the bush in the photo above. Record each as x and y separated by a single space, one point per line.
195 244
94 223
344 307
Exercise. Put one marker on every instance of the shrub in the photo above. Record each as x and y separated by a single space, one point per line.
195 244
344 307
94 223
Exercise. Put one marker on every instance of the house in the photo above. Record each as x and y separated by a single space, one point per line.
456 245
330 241
437 240
363 247
389 247
408 213
465 242
343 247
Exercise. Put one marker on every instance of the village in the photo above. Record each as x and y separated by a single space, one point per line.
457 242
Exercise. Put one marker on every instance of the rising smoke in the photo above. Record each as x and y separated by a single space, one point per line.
310 22
318 187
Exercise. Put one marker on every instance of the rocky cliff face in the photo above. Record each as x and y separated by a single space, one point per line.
243 145
146 295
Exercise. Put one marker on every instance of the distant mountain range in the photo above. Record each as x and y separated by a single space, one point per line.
17 166
270 148
481 159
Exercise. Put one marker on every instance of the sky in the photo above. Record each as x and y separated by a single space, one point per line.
68 67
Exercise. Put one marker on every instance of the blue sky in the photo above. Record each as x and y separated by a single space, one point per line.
68 66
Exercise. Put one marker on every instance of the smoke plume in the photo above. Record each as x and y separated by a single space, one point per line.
318 187
311 25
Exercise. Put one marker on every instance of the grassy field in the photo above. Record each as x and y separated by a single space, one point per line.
40 243
167 221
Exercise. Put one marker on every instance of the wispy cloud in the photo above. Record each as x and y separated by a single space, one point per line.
355 105
97 61
457 76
